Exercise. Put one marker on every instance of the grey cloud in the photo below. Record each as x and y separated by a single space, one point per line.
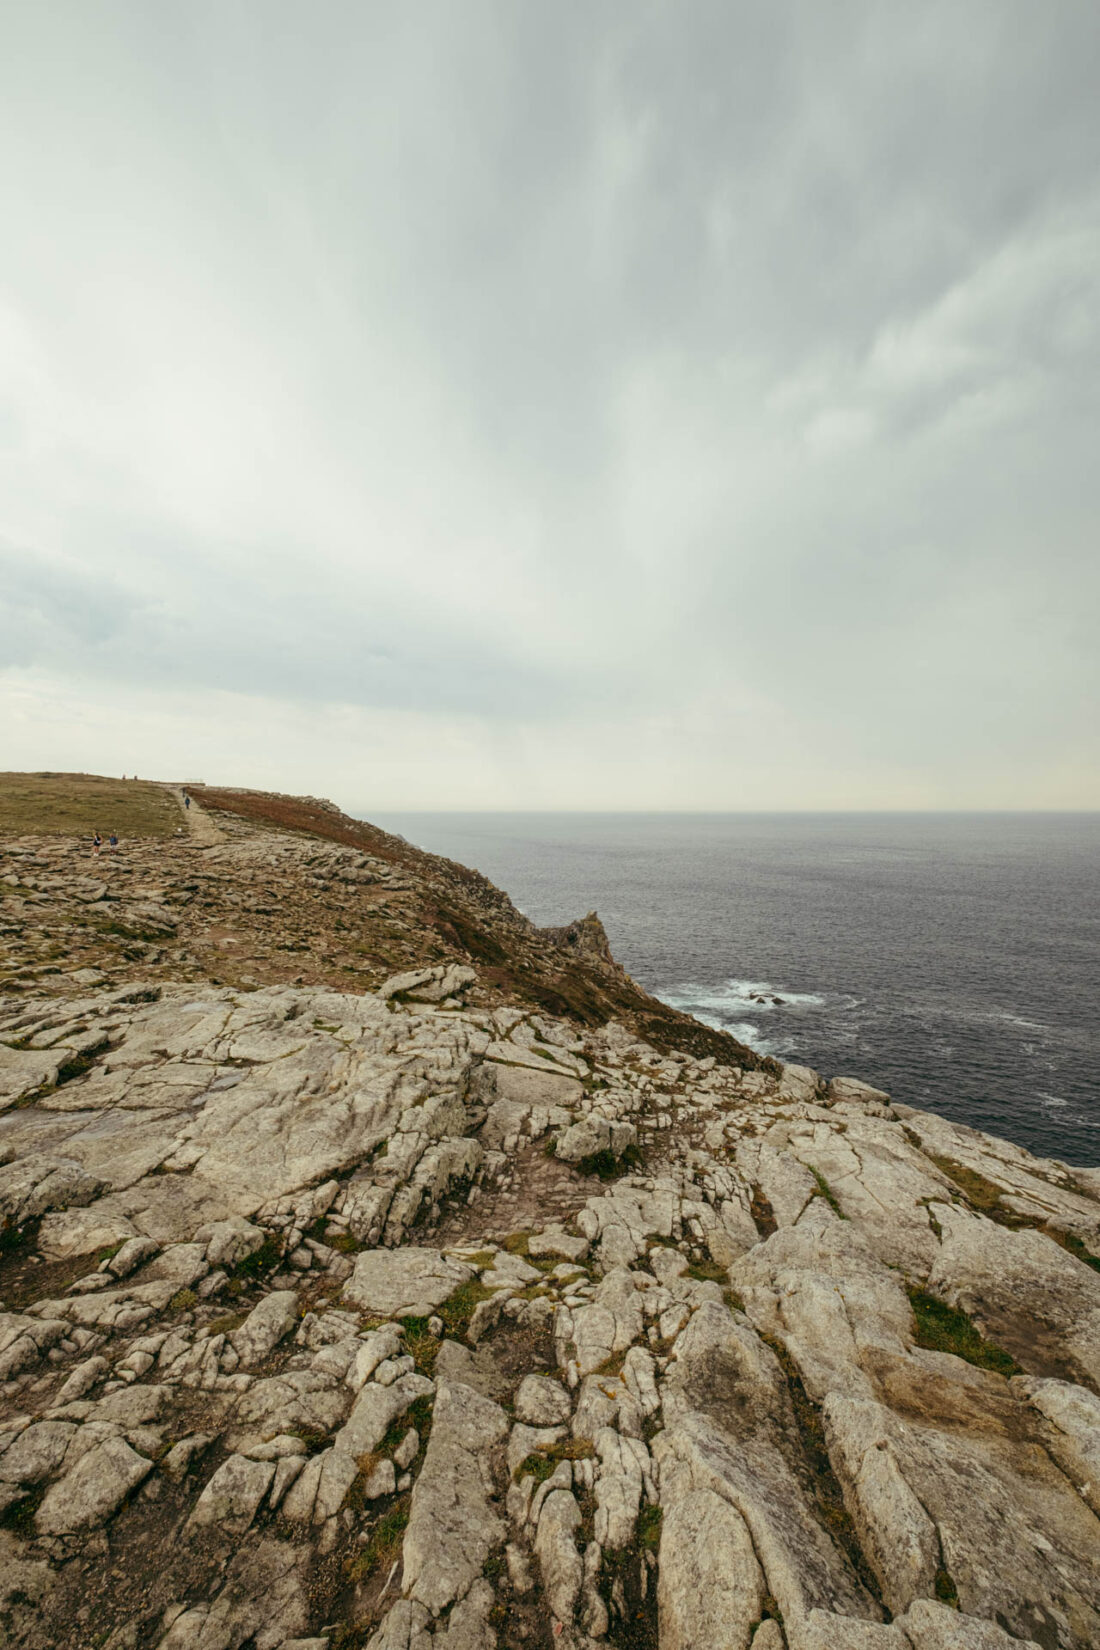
543 364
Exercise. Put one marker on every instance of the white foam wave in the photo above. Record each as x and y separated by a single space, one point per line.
738 997
745 1033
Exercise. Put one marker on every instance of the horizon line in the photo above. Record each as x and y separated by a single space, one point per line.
695 813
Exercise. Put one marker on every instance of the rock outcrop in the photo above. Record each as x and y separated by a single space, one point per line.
319 1329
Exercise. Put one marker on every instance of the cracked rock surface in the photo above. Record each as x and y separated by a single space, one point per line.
319 1328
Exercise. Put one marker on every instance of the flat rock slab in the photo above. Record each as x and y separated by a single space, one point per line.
404 1283
452 1523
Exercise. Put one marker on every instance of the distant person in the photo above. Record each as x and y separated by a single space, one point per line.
113 839
186 800
97 843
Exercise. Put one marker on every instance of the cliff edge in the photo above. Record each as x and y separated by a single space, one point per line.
380 1270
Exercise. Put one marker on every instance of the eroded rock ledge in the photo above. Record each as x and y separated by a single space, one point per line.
320 1330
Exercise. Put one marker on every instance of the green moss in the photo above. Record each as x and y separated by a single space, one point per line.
184 1300
946 1590
649 1528
943 1328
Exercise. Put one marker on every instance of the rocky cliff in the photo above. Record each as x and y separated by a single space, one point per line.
379 1270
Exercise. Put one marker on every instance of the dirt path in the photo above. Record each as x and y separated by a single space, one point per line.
204 833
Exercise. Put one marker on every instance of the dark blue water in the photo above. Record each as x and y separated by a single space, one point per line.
952 959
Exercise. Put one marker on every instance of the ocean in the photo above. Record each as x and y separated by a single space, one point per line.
951 959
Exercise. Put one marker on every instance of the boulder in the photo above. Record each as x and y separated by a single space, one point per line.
263 1329
232 1497
542 1402
94 1489
594 1134
404 1283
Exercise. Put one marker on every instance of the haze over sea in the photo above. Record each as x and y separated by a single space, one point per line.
952 959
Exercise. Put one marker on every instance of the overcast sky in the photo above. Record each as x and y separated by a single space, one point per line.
554 405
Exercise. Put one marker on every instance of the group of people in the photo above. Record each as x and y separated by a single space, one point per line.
97 842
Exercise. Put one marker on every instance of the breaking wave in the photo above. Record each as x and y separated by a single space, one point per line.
735 1005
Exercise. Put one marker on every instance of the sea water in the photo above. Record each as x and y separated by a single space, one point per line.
951 959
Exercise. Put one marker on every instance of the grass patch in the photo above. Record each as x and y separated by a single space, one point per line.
517 1244
826 1191
315 1439
979 1192
459 1308
418 1415
946 1591
1075 1247
261 1260
226 1325
422 1345
483 1257
184 1300
385 1541
707 1271
649 1528
76 804
943 1328
828 1496
733 1300
985 1197
540 1464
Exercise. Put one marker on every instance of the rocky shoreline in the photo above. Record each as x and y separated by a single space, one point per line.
380 1304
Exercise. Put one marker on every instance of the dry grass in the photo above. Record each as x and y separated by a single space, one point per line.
76 804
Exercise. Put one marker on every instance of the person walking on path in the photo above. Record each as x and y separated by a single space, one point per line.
186 800
97 843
